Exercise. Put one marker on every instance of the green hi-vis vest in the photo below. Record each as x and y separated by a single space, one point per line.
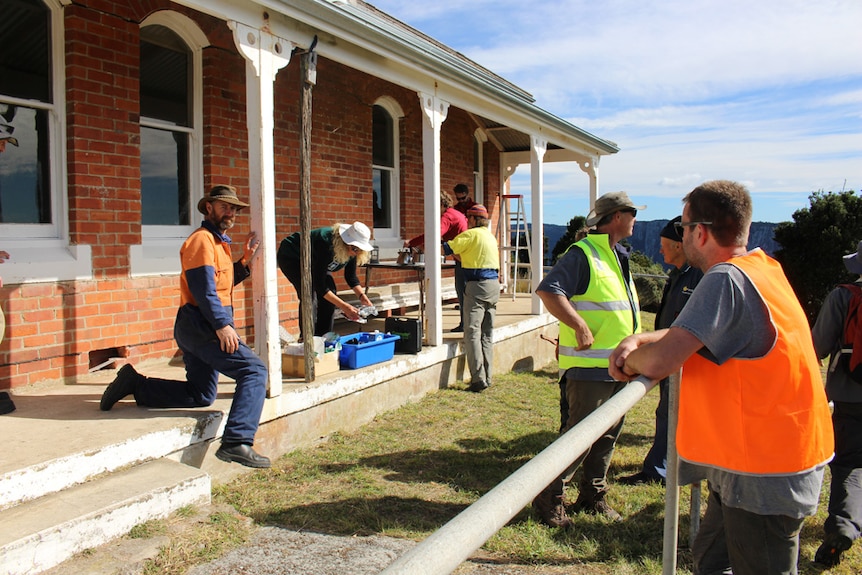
610 307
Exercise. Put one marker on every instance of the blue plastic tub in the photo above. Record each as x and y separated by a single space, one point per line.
366 349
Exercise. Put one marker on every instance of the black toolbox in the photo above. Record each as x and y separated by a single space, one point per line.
410 331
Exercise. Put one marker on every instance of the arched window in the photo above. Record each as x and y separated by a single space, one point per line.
171 138
386 116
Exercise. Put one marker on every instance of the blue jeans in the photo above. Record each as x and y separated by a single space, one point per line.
204 361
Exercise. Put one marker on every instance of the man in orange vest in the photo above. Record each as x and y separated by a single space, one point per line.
753 416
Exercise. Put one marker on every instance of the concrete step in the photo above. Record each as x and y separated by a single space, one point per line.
39 534
95 447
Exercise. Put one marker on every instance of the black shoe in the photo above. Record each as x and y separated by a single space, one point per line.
829 552
457 329
478 387
123 385
242 454
6 403
640 478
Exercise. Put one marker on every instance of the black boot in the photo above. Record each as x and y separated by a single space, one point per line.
6 404
550 509
596 505
124 384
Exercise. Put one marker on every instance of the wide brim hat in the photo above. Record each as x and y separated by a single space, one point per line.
356 234
224 193
669 230
853 262
608 204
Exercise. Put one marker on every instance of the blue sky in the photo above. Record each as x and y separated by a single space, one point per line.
768 93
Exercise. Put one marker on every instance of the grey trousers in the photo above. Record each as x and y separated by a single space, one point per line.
732 540
578 399
479 311
845 493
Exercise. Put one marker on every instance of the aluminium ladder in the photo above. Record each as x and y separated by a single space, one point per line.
513 236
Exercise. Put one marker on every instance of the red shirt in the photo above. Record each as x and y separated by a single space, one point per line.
452 223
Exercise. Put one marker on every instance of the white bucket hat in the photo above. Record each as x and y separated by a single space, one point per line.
356 234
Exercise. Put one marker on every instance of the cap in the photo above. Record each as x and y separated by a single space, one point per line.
608 204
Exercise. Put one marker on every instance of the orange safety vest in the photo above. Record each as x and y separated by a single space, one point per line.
765 416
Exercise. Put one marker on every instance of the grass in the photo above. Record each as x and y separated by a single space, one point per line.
411 470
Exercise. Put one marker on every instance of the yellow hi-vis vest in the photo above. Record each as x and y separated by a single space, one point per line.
764 416
610 307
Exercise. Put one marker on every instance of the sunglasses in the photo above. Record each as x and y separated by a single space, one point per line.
680 226
632 211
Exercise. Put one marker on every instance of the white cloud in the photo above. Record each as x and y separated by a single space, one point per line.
764 92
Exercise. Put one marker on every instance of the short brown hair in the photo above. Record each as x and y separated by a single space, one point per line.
727 205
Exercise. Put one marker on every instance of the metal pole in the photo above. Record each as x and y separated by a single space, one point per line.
671 502
453 543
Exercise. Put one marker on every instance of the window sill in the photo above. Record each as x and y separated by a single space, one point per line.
45 261
156 257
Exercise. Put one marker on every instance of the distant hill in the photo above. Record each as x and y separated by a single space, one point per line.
646 237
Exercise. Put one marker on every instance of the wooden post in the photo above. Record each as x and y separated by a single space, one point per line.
308 63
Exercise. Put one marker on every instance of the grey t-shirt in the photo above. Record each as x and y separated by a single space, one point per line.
727 314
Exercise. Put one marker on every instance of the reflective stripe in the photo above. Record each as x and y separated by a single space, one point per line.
588 353
619 305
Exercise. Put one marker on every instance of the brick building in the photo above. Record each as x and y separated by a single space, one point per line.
122 113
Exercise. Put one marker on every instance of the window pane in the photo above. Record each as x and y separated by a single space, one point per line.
164 178
382 199
381 133
24 50
25 176
164 76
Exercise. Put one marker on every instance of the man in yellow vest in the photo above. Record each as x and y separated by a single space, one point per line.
753 416
590 290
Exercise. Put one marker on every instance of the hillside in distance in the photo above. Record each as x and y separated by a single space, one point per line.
646 237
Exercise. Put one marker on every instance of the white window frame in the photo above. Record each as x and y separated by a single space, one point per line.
389 240
160 245
42 252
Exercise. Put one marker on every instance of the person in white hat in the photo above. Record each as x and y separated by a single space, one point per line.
340 246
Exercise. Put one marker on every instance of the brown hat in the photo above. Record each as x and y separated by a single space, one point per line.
608 204
223 192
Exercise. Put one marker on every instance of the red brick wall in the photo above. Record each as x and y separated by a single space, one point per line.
55 330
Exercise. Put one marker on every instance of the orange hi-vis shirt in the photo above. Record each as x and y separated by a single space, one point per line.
763 416
208 271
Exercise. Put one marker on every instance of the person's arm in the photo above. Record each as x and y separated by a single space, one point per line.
655 354
241 269
559 306
828 330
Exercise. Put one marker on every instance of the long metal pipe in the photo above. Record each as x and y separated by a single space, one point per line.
453 543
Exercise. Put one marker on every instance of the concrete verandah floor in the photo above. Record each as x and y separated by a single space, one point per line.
54 421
